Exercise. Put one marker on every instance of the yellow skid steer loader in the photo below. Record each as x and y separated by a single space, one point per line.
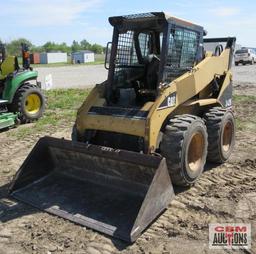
164 110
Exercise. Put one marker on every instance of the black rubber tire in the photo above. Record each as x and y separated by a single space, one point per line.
19 102
216 120
236 64
176 144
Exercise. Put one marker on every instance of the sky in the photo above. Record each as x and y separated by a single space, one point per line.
67 20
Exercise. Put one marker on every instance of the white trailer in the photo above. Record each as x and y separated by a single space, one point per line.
58 57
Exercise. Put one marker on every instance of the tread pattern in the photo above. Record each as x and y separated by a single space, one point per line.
172 144
16 105
213 120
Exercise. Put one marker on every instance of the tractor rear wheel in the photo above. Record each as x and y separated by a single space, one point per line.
221 134
29 102
184 145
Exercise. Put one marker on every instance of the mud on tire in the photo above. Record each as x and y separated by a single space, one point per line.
184 145
221 134
20 102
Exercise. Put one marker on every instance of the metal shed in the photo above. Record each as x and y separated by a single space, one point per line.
85 56
34 58
56 57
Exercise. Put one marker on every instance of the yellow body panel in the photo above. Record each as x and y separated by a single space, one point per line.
185 87
116 124
7 67
201 102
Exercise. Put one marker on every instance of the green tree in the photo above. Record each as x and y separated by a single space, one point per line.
14 47
52 46
85 45
97 49
64 47
75 46
49 46
37 49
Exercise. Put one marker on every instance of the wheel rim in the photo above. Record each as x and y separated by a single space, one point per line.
33 103
195 151
227 136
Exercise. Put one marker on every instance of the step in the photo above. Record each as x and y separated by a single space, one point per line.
7 120
3 101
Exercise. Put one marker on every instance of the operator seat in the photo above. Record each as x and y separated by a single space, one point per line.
8 66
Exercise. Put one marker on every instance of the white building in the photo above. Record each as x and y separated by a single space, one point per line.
84 56
58 57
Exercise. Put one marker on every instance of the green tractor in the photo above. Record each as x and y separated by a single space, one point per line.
21 97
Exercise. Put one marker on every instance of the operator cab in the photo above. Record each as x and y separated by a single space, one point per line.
149 50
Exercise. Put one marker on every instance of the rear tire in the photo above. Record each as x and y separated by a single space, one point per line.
184 145
221 134
29 102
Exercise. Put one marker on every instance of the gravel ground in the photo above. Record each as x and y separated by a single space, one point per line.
73 76
245 74
87 76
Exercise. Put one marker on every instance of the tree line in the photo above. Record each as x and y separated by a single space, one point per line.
14 47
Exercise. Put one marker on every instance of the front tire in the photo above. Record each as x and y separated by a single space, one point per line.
29 102
184 145
221 134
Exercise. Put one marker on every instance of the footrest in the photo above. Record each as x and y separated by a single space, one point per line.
3 101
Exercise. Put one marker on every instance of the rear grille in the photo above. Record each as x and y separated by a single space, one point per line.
118 141
119 112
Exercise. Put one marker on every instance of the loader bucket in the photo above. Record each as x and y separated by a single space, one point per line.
116 192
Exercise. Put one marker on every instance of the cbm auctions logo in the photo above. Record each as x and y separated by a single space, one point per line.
230 236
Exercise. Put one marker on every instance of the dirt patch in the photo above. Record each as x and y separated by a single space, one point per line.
224 193
242 88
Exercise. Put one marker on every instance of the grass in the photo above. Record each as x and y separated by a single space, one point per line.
246 117
246 124
66 98
62 105
244 98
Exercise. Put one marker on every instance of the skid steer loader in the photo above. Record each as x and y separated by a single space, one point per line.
164 109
